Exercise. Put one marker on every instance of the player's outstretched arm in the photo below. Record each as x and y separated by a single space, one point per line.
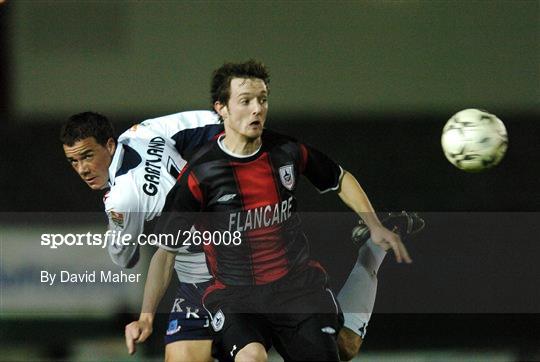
157 282
354 197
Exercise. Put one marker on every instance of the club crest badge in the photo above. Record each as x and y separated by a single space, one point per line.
286 174
117 218
174 327
218 320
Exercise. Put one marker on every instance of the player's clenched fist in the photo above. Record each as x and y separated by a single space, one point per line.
137 332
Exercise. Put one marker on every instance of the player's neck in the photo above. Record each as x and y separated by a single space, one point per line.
241 145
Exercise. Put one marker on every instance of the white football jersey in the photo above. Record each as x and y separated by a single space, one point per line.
144 168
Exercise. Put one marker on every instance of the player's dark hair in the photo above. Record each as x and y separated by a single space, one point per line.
221 78
84 125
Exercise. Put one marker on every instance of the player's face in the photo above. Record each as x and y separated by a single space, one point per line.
91 161
245 113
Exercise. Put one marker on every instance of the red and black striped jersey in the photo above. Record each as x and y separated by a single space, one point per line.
253 195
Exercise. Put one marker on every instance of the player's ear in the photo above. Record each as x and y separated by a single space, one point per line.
110 146
220 108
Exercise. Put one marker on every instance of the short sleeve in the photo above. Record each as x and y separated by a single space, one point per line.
319 169
122 208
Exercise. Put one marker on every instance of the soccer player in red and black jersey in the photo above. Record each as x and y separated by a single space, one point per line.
267 291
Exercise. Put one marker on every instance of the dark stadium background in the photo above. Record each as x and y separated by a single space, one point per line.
472 286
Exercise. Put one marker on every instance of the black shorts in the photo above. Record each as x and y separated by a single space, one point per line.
188 319
297 314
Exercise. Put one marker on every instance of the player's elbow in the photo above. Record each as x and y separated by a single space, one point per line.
126 262
133 261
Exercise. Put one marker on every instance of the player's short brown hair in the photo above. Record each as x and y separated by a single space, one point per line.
221 78
84 125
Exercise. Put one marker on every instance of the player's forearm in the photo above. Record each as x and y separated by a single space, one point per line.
157 281
352 194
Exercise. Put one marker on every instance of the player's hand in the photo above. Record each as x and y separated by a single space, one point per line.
387 239
137 332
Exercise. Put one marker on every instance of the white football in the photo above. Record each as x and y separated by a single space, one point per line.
474 140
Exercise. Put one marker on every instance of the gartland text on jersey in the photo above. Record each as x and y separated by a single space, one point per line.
93 276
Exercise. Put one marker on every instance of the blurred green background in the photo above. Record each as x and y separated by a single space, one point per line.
125 57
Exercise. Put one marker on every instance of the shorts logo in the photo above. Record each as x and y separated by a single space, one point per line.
286 175
192 314
218 320
173 327
117 218
177 305
328 330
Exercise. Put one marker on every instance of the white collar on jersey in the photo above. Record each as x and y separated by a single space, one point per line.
224 149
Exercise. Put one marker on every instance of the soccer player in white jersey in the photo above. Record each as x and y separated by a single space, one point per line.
140 169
